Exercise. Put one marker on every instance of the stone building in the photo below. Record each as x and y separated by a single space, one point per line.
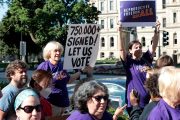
168 13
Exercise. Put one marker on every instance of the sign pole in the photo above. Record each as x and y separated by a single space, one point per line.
23 50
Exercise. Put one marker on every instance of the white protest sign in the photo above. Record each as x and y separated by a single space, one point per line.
81 46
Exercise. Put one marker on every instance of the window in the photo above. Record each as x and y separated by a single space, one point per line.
175 38
111 5
93 4
102 55
111 23
164 22
102 24
143 41
164 53
111 55
163 4
174 0
102 6
111 42
102 42
174 18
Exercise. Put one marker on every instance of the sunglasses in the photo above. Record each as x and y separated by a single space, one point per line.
29 109
99 98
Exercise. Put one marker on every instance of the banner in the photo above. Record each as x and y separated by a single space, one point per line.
137 13
81 46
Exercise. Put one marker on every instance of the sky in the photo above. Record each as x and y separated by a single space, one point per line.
3 10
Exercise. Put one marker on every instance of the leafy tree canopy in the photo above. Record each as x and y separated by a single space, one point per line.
45 20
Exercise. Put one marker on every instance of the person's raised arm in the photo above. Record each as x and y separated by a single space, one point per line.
122 43
155 38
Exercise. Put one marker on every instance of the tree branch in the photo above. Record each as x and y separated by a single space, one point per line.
33 37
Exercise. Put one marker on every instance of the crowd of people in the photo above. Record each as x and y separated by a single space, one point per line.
49 73
152 92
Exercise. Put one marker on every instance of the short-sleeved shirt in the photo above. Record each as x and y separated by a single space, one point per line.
136 76
59 93
163 111
77 115
7 100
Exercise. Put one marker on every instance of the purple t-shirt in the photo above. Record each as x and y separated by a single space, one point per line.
136 77
164 112
59 94
77 115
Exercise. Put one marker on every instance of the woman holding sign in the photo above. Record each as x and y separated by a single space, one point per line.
59 95
135 63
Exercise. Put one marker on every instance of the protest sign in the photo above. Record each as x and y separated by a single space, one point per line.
81 46
137 13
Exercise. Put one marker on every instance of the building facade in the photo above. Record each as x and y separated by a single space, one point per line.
109 37
168 13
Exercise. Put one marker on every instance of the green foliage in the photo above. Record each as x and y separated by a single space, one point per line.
3 84
45 20
178 65
107 61
2 2
3 65
122 117
6 49
32 66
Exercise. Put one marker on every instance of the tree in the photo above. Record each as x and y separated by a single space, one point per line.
45 20
2 2
5 48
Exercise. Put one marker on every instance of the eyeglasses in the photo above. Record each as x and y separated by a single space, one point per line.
29 109
99 98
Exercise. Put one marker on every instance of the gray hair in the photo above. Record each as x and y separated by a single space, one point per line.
169 81
52 45
85 92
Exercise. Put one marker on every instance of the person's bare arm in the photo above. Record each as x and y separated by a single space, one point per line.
87 69
155 38
122 43
119 111
74 77
2 115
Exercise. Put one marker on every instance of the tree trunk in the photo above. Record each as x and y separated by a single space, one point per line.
33 37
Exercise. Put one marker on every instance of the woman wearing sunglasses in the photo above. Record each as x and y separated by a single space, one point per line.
27 105
91 102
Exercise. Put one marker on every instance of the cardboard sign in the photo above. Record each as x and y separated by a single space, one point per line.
81 46
137 13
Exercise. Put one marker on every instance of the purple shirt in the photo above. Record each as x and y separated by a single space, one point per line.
136 77
164 112
59 94
77 115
